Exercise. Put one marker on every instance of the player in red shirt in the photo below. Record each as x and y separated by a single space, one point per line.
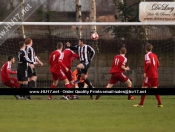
151 65
56 66
5 71
118 67
68 58
5 75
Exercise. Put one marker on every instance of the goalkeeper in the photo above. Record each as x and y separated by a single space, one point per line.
81 84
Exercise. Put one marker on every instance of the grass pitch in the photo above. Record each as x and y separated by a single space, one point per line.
109 114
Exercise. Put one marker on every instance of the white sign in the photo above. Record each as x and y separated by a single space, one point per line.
157 11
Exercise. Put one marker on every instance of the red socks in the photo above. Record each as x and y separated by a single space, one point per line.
53 86
70 85
158 99
142 99
144 96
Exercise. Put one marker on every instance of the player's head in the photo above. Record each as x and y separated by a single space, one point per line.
81 41
11 59
59 46
66 47
123 50
148 47
22 44
29 42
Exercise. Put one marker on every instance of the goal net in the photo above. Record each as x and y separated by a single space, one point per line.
111 38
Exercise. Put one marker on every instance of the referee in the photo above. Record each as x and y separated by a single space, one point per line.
23 60
86 54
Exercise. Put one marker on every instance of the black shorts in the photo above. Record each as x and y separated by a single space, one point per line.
31 72
81 84
86 67
22 75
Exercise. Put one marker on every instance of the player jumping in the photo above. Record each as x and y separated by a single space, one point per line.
86 54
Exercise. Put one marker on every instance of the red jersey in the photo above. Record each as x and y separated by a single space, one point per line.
5 71
69 56
55 61
118 61
151 65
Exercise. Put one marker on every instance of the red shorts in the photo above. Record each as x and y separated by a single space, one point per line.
118 77
12 83
150 82
68 74
59 75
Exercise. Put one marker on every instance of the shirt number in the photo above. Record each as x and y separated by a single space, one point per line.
116 61
19 57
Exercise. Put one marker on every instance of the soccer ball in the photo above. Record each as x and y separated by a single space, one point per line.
94 36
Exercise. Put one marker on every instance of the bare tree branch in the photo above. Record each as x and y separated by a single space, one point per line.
22 19
12 4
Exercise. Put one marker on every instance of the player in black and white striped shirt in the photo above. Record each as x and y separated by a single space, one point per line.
23 60
86 54
31 55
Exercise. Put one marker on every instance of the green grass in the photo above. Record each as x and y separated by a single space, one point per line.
109 114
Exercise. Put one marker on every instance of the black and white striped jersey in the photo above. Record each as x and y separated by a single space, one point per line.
23 60
86 53
30 53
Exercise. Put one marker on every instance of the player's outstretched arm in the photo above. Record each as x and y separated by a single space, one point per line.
11 72
75 55
71 47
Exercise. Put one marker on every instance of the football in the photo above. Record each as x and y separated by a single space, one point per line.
94 36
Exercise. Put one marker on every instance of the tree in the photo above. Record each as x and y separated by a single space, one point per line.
12 4
93 28
146 29
128 13
117 12
78 18
4 11
22 19
21 15
45 14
